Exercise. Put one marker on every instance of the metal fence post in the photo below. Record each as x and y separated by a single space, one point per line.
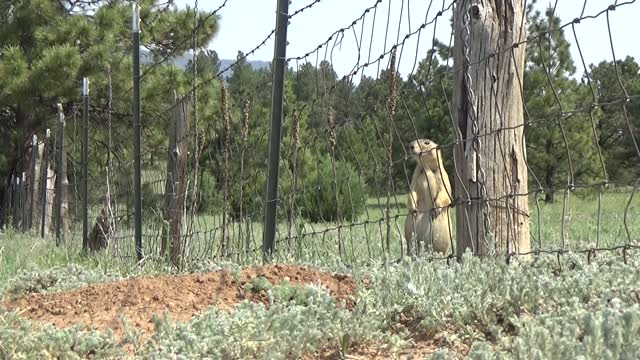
85 163
135 27
279 63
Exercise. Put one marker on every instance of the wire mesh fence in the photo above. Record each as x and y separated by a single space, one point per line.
494 139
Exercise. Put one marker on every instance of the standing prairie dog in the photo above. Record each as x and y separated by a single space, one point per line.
429 197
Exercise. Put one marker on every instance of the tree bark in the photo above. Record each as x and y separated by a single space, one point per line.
488 108
548 181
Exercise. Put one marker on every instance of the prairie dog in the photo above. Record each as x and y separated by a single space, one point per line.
430 194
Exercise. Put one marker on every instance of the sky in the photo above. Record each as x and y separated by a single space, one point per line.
246 23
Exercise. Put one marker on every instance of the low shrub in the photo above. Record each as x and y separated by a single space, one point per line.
331 197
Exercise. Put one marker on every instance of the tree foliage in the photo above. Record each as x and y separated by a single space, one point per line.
614 83
48 47
561 146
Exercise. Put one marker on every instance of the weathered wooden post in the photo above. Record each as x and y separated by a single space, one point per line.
46 188
62 182
493 211
32 181
176 182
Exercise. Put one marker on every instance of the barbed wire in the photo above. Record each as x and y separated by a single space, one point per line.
197 26
453 70
571 185
245 55
219 232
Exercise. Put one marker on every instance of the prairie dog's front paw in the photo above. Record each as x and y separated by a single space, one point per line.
435 212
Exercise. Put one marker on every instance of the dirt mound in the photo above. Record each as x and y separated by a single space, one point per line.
100 305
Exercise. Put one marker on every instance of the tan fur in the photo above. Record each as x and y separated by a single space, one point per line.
430 189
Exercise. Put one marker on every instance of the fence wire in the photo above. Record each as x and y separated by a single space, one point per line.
350 140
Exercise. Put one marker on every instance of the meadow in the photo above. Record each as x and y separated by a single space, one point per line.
589 220
554 307
333 290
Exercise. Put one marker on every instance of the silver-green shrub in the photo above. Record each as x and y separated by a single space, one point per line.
288 328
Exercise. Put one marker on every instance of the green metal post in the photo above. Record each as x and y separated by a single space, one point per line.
137 129
85 164
280 51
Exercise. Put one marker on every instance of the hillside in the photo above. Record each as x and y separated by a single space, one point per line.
182 61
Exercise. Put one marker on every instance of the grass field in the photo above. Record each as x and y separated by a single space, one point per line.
552 308
588 221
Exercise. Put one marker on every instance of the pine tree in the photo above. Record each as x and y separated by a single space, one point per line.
208 64
561 149
619 139
49 46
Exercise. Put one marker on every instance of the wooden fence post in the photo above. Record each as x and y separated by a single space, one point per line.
62 182
493 210
45 206
176 182
32 182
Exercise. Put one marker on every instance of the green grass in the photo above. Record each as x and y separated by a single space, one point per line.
552 228
546 309
20 252
552 308
23 255
319 242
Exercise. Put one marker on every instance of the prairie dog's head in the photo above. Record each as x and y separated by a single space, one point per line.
425 151
422 148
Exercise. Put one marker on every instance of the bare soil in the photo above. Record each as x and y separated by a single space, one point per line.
100 306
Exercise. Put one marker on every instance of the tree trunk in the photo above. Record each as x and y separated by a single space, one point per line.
548 181
488 109
550 197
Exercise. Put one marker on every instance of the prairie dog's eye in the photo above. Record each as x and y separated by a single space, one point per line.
426 142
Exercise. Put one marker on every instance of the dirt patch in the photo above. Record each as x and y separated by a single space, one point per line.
101 305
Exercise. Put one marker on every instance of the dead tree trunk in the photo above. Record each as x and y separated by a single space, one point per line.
176 182
491 175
